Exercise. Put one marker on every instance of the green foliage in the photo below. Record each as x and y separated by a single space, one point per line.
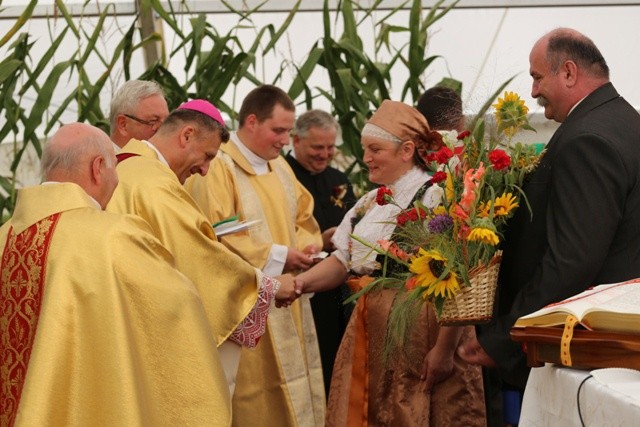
27 77
359 83
215 65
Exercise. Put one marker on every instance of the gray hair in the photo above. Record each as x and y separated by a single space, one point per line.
315 119
66 158
129 95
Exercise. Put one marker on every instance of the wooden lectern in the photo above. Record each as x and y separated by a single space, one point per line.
589 349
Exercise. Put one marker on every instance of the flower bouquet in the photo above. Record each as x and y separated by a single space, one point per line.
449 255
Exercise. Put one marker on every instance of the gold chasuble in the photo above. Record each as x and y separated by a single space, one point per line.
280 382
97 326
227 284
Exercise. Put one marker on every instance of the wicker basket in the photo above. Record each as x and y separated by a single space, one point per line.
474 304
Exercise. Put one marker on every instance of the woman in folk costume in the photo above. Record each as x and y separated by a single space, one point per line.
426 383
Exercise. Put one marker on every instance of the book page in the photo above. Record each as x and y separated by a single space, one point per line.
619 313
614 298
619 298
575 306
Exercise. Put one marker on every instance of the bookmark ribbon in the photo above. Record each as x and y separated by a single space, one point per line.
565 342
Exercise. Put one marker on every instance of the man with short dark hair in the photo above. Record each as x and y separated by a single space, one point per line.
249 178
584 198
98 327
442 107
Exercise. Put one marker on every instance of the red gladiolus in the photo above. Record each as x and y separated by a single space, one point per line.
411 283
417 213
499 159
383 195
443 155
412 214
463 135
438 177
393 249
430 157
402 218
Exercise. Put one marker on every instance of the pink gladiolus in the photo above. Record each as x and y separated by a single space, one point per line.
464 232
472 178
385 244
411 283
393 249
460 212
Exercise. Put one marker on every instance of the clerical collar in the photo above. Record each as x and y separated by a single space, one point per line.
160 156
259 165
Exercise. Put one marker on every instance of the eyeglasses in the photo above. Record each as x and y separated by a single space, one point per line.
151 123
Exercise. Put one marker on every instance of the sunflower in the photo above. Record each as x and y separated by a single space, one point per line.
439 210
482 211
505 204
483 235
433 274
511 113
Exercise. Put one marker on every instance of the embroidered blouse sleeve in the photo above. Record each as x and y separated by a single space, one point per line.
341 238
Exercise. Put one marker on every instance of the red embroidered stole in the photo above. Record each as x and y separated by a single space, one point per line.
124 156
22 274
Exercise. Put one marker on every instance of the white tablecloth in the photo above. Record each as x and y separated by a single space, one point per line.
550 398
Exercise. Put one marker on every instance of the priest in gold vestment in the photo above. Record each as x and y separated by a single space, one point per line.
97 327
280 382
236 295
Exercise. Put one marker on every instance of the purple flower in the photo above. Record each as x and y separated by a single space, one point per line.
440 223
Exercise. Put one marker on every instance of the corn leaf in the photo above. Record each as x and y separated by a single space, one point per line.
22 19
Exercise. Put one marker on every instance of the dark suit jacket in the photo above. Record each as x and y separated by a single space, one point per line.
322 187
585 229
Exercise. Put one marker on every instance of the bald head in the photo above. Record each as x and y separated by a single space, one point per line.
82 154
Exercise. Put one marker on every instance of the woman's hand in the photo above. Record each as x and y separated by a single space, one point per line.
286 294
438 365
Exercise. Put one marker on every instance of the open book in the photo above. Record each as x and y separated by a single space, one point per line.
611 308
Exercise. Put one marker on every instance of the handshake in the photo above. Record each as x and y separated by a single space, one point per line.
297 261
289 291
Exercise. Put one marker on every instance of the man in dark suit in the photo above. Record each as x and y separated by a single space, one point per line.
585 198
314 145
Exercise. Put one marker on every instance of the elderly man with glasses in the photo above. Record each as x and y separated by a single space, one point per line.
137 110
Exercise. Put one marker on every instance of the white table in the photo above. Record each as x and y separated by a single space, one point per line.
550 399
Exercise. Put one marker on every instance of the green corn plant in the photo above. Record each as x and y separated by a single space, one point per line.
12 69
211 72
216 65
25 76
359 82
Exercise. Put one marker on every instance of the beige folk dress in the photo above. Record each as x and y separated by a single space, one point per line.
365 390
